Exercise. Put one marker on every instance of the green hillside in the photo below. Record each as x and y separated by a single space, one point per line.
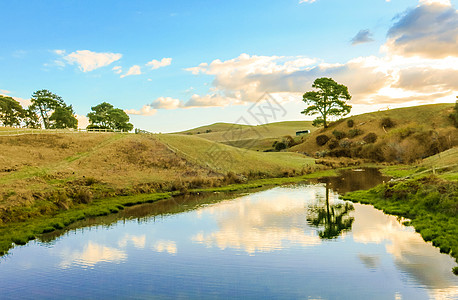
415 132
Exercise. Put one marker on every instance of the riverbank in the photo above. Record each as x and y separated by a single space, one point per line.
427 194
20 232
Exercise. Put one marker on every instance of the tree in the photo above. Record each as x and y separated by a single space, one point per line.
105 116
31 119
63 117
51 110
329 99
44 103
11 112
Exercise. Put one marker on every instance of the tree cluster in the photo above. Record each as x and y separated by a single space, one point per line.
47 110
105 116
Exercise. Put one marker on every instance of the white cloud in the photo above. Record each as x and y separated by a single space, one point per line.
83 121
156 64
4 92
429 30
88 60
134 70
166 103
211 100
146 110
420 65
117 69
306 1
441 2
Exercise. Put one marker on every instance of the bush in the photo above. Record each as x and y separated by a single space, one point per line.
354 132
280 146
322 139
370 138
332 144
350 123
387 123
346 143
339 134
288 141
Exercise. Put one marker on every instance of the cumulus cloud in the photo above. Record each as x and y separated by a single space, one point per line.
420 65
117 69
428 30
156 64
146 110
87 60
166 103
134 70
363 36
211 100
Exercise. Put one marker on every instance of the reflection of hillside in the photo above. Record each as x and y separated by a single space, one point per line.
332 219
357 179
419 259
143 212
259 224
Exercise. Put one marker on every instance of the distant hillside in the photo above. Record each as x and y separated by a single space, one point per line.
258 137
416 132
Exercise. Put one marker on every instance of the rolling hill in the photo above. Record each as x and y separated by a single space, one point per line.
260 137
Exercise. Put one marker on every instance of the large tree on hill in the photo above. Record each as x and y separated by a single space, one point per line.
105 116
328 99
11 112
52 110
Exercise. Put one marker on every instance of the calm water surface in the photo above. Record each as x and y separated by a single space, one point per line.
290 242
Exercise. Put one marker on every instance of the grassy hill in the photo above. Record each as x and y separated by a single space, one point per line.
45 172
260 137
416 132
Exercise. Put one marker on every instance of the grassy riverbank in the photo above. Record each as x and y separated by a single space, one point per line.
425 193
44 174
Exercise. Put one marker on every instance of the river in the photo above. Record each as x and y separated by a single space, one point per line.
290 242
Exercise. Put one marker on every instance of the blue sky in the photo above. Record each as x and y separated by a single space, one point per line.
173 65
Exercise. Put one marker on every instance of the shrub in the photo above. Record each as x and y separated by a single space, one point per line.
350 123
354 132
370 138
322 139
332 144
339 134
387 123
280 146
346 143
82 195
288 141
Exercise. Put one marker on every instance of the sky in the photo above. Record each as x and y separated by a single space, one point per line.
175 65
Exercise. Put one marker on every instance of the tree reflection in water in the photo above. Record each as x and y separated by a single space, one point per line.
332 219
